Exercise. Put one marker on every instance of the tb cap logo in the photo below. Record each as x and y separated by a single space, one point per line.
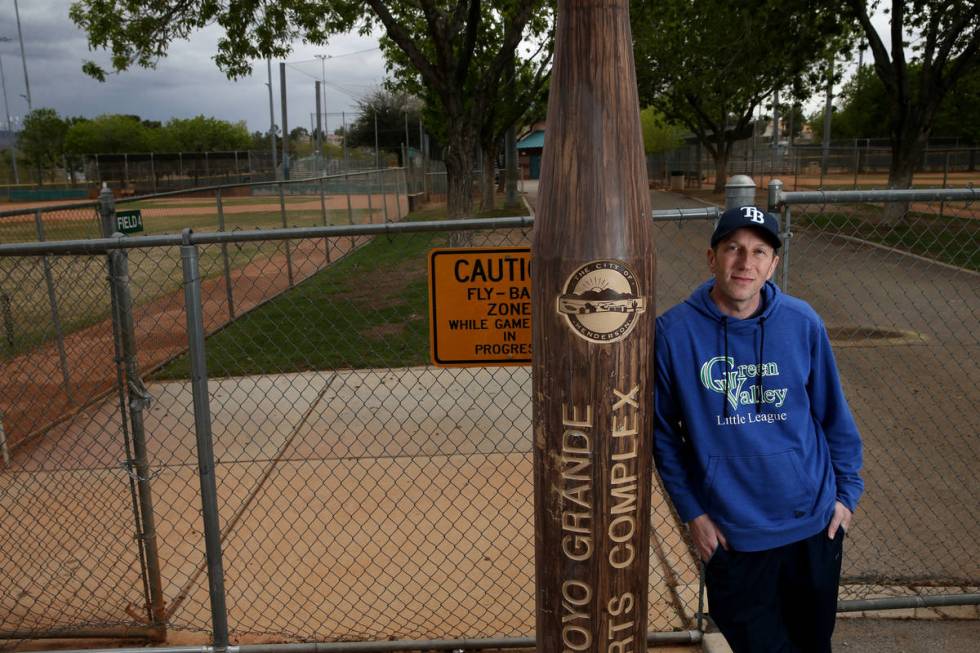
754 214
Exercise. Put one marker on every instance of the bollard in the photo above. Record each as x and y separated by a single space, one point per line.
739 191
773 205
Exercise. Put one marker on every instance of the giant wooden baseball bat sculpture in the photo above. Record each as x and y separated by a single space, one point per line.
593 319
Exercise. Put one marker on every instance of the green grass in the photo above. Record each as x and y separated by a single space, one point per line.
949 239
369 309
80 282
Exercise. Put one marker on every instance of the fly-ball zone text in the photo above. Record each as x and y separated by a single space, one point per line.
579 436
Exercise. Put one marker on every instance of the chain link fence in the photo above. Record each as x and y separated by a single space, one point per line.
845 166
897 284
295 469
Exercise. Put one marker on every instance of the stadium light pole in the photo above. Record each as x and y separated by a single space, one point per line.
272 119
10 129
323 86
23 57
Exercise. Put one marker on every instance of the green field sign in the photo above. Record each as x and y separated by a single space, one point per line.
129 222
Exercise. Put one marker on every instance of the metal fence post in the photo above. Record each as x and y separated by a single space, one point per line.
3 443
55 316
350 206
153 173
205 446
282 213
370 195
384 192
942 203
398 192
8 321
139 467
224 255
774 201
323 213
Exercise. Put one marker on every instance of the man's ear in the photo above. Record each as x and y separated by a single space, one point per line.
772 268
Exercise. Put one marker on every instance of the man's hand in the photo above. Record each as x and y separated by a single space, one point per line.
842 518
707 536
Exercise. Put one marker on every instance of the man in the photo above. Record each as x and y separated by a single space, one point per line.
755 443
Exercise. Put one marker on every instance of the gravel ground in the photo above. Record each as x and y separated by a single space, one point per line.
907 636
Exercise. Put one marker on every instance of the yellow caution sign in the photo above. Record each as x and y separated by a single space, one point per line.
480 306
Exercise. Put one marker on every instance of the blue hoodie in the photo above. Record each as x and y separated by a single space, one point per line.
751 425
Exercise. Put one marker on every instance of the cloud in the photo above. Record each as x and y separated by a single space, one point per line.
185 83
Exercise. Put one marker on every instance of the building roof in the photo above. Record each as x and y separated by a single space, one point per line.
532 141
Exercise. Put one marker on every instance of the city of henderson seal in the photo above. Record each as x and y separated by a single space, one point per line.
601 301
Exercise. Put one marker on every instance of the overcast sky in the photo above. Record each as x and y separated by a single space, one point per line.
187 83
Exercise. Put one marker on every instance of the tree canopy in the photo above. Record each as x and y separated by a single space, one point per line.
42 139
441 40
707 64
943 37
658 134
389 109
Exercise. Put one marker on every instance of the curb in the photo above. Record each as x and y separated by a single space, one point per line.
715 643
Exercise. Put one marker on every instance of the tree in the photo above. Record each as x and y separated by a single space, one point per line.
205 134
387 110
42 140
944 39
440 40
658 134
520 95
107 134
865 109
707 64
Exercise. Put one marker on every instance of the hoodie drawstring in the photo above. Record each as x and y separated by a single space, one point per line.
758 367
724 396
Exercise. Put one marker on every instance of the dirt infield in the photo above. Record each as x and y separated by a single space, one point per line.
336 524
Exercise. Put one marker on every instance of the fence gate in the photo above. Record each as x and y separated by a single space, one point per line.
73 499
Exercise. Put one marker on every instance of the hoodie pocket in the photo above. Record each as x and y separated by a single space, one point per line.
759 490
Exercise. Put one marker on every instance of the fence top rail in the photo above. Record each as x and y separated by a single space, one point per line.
886 195
189 237
186 191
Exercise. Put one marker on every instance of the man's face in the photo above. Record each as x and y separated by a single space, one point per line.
741 264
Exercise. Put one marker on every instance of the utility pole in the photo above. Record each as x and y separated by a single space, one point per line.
23 57
272 121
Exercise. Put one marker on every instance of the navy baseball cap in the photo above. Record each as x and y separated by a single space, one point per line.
748 216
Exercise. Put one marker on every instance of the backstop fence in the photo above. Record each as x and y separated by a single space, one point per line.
251 443
852 166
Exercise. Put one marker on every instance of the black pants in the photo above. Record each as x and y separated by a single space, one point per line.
778 600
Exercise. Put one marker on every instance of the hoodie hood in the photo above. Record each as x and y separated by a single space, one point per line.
700 300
